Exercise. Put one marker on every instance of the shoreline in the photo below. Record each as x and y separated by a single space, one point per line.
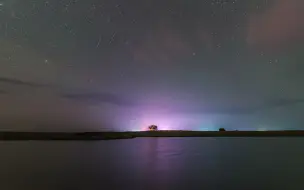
89 136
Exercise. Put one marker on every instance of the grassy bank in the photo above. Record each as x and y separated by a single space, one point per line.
129 135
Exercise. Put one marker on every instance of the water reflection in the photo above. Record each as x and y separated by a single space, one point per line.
153 163
161 156
151 154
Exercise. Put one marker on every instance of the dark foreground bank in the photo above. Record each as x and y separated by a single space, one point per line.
129 135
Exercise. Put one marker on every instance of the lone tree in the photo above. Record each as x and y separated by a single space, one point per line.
153 128
222 129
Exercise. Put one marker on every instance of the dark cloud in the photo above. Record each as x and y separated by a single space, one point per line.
18 82
274 103
270 104
232 110
283 102
123 101
100 98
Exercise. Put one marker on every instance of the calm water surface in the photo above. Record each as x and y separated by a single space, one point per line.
154 163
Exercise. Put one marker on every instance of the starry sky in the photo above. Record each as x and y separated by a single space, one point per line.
70 65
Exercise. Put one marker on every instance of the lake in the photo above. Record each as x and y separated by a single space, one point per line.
154 163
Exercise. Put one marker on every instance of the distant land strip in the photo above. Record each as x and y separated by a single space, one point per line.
48 136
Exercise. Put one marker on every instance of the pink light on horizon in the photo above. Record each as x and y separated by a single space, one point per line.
171 122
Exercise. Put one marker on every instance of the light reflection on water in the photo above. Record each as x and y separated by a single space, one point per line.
154 163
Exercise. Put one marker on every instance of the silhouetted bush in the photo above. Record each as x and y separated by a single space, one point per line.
222 129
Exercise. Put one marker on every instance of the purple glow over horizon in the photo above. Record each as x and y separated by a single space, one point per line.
172 122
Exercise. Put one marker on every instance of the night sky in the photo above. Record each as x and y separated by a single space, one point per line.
121 65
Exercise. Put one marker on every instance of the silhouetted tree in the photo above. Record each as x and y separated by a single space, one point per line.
153 128
222 129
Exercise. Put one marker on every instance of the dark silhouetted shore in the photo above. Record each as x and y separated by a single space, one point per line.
128 135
